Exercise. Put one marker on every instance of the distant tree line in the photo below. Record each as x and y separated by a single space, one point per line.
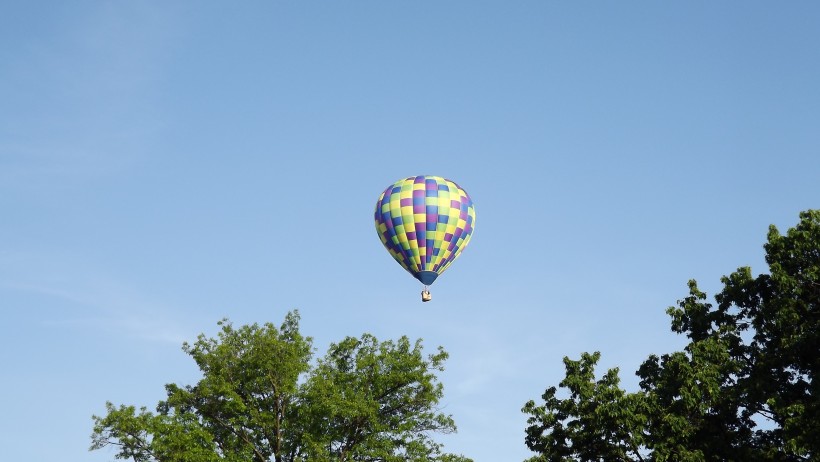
744 388
260 399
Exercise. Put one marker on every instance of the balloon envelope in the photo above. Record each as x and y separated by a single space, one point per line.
425 222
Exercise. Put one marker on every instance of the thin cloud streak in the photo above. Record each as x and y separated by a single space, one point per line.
110 306
84 103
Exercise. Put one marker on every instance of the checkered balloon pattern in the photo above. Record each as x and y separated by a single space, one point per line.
425 222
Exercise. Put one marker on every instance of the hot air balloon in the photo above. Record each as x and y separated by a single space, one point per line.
425 222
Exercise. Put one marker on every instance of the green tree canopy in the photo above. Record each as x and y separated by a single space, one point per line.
261 399
745 388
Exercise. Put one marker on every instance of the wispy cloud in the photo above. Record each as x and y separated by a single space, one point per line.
91 299
82 101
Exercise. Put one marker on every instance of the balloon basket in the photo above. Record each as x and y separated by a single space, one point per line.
425 295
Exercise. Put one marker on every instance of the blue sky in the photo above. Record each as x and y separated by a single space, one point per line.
167 164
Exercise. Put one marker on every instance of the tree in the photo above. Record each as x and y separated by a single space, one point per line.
260 399
745 387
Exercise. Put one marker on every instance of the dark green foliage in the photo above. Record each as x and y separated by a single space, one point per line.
598 422
745 388
260 400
